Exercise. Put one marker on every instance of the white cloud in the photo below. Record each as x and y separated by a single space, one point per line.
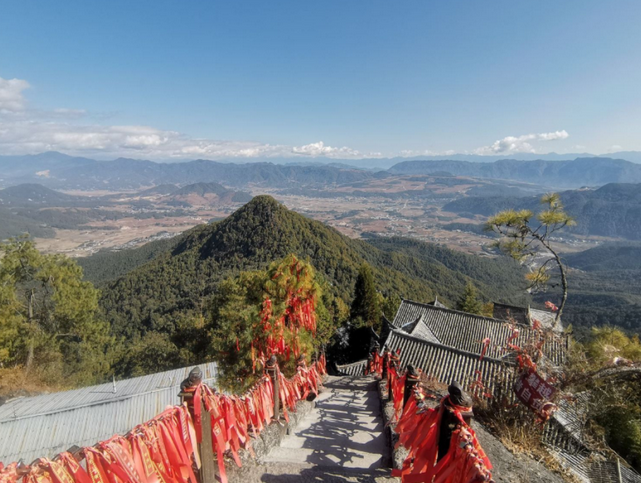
11 98
520 144
25 130
76 132
319 149
410 153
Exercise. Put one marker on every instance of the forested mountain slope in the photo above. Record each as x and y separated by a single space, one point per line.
611 256
180 281
612 210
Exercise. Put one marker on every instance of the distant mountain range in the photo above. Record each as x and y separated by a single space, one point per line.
613 210
559 174
57 170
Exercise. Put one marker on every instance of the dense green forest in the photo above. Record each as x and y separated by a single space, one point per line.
12 224
108 265
607 257
605 288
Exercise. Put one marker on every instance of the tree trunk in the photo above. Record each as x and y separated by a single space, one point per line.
564 286
29 361
564 280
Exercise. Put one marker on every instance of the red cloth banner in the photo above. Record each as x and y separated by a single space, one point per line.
535 392
163 450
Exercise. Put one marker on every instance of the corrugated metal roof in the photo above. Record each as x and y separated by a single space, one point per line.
464 331
45 425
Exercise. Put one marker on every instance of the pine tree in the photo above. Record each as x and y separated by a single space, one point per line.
49 321
366 305
281 311
390 305
522 240
469 301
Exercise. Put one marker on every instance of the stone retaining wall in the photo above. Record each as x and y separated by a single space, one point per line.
387 412
268 439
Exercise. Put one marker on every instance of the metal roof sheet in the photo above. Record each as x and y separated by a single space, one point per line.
42 426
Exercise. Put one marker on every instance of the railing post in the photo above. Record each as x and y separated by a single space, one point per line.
272 370
208 468
385 361
393 363
410 383
619 476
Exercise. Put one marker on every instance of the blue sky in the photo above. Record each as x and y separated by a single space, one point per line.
212 79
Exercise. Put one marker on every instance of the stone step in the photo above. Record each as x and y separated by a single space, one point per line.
296 473
344 430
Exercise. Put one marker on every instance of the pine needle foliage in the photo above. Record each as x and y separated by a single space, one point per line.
469 301
242 330
49 319
522 238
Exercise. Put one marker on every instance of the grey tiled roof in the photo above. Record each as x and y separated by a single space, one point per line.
466 332
422 331
447 364
526 316
629 475
594 468
446 345
437 303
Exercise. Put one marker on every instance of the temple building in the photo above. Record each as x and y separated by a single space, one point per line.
449 345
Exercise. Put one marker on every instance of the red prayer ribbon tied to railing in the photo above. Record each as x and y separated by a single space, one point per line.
374 364
164 449
418 429
397 383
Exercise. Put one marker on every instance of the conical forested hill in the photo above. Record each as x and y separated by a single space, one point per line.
156 295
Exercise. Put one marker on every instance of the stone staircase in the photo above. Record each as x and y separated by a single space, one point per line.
340 440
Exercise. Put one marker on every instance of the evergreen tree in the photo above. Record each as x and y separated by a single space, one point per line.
366 305
469 301
250 314
390 305
48 317
522 240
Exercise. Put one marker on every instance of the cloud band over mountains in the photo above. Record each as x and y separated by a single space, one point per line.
24 130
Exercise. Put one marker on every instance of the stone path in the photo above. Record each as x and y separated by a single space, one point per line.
341 440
